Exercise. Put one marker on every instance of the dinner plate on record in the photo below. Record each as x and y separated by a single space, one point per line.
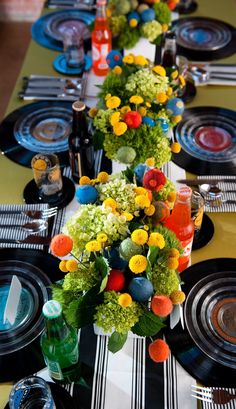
47 30
42 126
204 39
207 136
20 352
206 347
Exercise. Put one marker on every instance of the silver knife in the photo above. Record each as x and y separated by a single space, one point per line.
50 91
196 182
31 239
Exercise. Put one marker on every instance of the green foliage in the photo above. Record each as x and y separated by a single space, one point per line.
128 37
163 13
148 325
116 341
102 266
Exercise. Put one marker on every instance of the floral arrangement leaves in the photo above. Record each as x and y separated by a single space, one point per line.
148 325
116 341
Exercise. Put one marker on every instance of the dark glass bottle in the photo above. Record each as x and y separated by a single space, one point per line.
59 343
169 53
81 150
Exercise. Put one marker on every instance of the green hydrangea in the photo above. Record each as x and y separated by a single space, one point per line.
102 120
110 316
82 228
121 191
146 84
163 193
151 30
147 142
127 38
164 280
81 280
163 13
117 24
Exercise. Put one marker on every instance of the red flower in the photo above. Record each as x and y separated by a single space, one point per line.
116 281
154 179
133 119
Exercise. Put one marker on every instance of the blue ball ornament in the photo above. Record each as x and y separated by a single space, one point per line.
114 259
86 194
175 106
114 58
148 121
148 15
139 171
164 124
141 289
134 15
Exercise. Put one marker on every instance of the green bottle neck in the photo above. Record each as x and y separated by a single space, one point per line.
56 328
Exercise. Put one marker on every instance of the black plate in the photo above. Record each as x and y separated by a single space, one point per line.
31 193
28 359
37 127
204 39
206 233
46 30
193 133
62 398
206 354
190 92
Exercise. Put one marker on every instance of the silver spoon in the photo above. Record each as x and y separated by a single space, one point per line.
34 226
213 195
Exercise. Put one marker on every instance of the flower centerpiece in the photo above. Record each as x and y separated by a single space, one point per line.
121 266
131 19
138 107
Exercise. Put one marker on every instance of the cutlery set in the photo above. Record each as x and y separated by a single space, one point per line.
215 395
213 74
82 4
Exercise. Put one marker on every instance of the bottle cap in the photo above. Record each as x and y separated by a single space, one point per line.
78 106
101 2
185 192
52 309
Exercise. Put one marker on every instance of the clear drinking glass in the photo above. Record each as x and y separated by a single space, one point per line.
30 393
47 176
73 46
197 210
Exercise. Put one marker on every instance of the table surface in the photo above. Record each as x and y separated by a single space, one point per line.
39 60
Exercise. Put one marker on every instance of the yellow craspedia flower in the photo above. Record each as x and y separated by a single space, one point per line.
177 297
120 128
149 211
150 162
84 180
72 265
140 60
128 59
93 245
139 236
176 119
142 111
171 197
40 164
142 201
174 252
158 69
148 104
103 177
110 203
93 112
102 237
115 117
161 97
125 300
157 240
128 216
124 110
138 264
182 81
169 92
136 99
164 28
117 70
62 266
174 74
133 22
172 263
175 147
107 96
113 102
109 12
139 190
146 227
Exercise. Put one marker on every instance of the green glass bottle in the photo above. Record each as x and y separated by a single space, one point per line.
59 343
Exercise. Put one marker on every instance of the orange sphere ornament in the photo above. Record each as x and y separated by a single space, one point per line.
161 305
61 245
159 350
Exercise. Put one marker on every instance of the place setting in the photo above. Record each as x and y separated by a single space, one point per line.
81 4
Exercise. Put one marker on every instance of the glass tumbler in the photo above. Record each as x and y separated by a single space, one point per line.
30 393
47 176
73 46
197 210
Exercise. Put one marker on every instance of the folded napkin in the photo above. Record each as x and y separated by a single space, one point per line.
10 232
224 186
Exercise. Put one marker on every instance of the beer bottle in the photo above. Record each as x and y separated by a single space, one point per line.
81 150
169 53
59 343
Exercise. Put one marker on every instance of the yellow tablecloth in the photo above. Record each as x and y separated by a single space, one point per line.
39 60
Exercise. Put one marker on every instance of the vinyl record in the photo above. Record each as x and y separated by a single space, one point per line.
47 30
204 39
207 136
206 347
31 194
205 235
37 127
20 352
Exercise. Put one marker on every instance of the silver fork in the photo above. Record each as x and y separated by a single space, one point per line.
33 214
212 395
